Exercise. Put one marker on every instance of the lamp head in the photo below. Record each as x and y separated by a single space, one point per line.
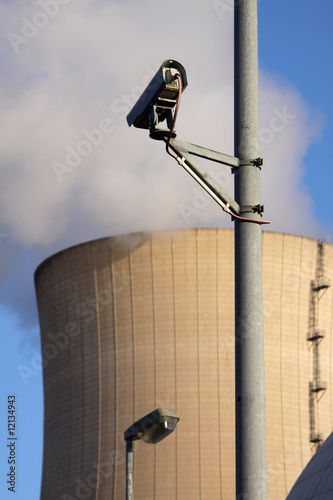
153 427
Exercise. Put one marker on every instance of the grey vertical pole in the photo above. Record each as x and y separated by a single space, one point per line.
129 469
251 469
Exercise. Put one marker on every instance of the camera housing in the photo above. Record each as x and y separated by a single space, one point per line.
159 99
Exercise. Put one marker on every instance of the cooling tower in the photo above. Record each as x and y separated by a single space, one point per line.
137 322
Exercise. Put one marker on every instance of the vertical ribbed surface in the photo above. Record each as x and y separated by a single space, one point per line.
141 321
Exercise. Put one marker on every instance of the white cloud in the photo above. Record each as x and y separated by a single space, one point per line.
287 129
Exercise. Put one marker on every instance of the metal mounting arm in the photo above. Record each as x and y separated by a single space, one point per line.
206 153
184 150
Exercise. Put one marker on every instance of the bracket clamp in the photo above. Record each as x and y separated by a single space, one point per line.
256 162
256 209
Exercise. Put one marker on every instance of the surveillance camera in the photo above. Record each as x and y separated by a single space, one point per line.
159 99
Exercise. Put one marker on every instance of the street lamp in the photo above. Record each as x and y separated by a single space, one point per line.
151 428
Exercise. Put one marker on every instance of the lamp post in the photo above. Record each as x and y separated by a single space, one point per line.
151 428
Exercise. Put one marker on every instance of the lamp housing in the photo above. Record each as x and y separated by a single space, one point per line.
153 427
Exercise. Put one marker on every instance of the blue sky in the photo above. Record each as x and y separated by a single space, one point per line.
295 45
87 63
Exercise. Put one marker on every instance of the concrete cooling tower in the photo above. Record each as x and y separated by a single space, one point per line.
143 321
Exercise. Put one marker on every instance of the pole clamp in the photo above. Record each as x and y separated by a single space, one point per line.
256 162
256 209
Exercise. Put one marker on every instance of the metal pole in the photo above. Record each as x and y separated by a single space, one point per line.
129 469
251 469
